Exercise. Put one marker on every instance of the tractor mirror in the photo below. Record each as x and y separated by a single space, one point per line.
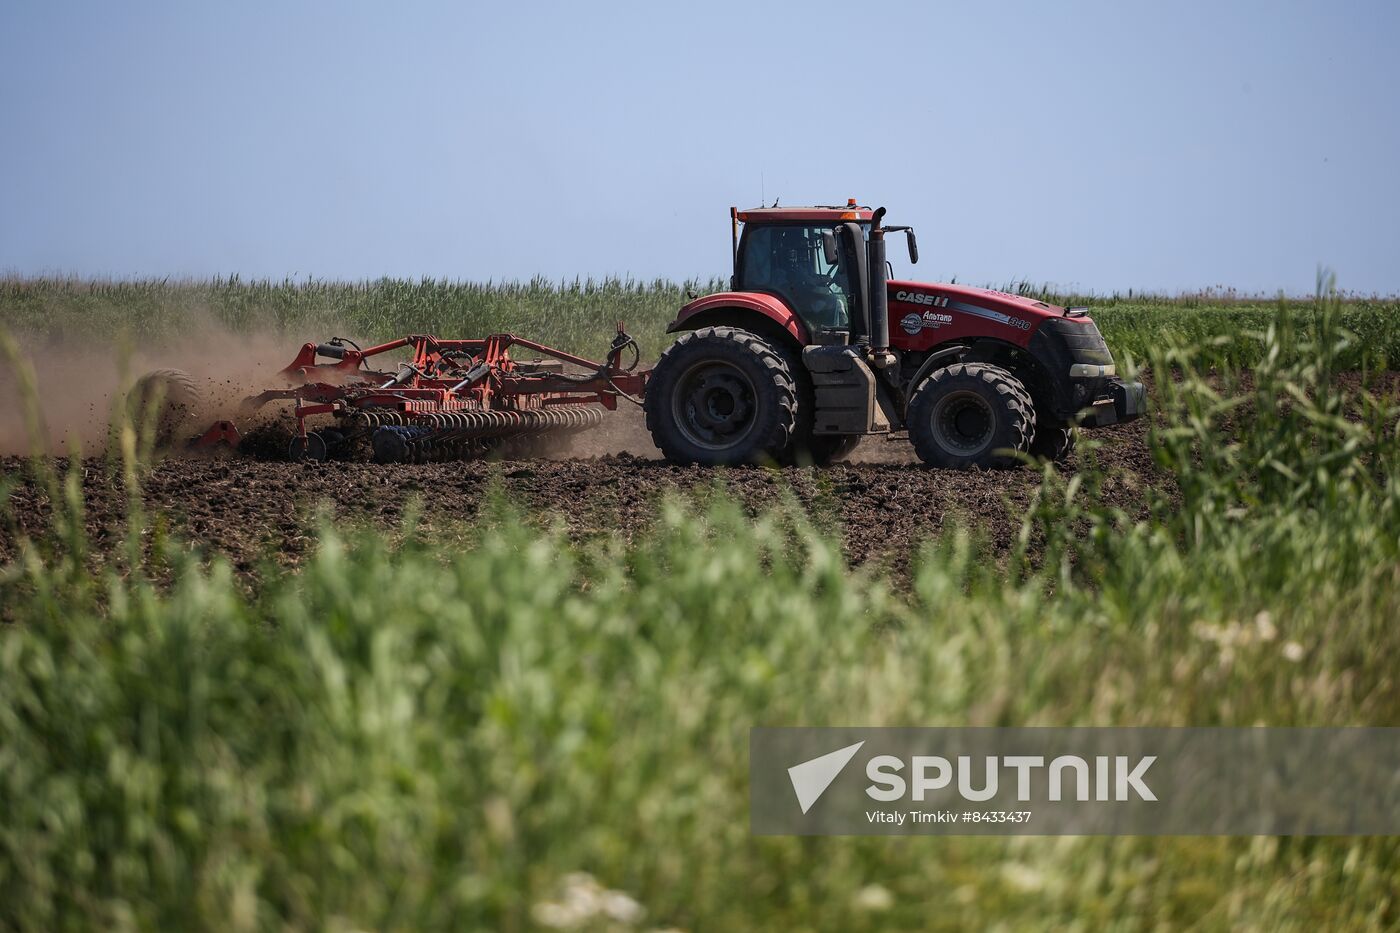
830 250
913 246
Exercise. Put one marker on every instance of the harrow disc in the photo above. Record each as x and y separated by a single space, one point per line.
454 435
311 447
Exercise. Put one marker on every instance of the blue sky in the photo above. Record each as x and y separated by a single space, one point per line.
1100 145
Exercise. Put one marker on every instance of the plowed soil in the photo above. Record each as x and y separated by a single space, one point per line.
883 503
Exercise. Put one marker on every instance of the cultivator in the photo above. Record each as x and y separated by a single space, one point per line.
452 399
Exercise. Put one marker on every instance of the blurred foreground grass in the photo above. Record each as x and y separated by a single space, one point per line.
535 733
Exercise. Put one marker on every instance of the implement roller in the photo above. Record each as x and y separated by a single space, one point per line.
454 435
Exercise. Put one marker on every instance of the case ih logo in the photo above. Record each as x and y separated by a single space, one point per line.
919 298
913 323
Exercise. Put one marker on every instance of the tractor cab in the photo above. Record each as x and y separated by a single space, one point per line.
819 262
788 260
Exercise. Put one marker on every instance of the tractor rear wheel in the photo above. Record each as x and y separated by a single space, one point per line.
971 415
721 396
163 401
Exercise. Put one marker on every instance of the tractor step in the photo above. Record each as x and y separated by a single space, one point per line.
845 389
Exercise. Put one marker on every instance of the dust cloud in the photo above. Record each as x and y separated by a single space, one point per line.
79 385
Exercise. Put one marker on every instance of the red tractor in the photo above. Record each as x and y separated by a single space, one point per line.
799 361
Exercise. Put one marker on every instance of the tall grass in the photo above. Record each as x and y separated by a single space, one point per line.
579 315
398 737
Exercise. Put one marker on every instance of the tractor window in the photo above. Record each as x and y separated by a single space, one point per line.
788 261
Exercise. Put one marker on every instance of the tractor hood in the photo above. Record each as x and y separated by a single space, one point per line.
923 315
988 298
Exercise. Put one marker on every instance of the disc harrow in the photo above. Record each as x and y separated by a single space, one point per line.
444 399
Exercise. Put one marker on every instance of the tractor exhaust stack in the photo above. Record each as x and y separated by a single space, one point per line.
880 355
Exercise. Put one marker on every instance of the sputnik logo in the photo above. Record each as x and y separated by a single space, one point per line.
811 778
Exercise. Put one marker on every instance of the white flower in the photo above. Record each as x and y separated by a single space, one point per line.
621 907
555 916
1022 877
582 900
1293 651
874 898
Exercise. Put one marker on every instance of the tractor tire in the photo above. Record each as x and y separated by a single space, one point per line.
176 400
721 396
971 415
1054 440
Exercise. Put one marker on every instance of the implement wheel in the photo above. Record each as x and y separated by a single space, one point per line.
311 447
971 415
164 402
721 396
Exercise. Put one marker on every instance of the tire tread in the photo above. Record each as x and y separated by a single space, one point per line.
773 439
1015 399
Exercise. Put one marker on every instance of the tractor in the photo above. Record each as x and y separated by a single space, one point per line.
798 360
794 364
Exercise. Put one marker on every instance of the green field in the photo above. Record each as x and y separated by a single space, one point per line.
497 736
581 315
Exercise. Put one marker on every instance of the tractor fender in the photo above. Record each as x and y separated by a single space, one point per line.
1030 366
936 360
735 308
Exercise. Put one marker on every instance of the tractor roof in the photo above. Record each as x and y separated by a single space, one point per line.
820 213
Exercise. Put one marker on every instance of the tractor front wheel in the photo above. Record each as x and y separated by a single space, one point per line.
721 396
971 415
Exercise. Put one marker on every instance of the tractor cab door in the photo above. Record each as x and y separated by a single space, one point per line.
787 260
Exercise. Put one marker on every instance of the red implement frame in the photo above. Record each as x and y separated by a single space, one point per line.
446 376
